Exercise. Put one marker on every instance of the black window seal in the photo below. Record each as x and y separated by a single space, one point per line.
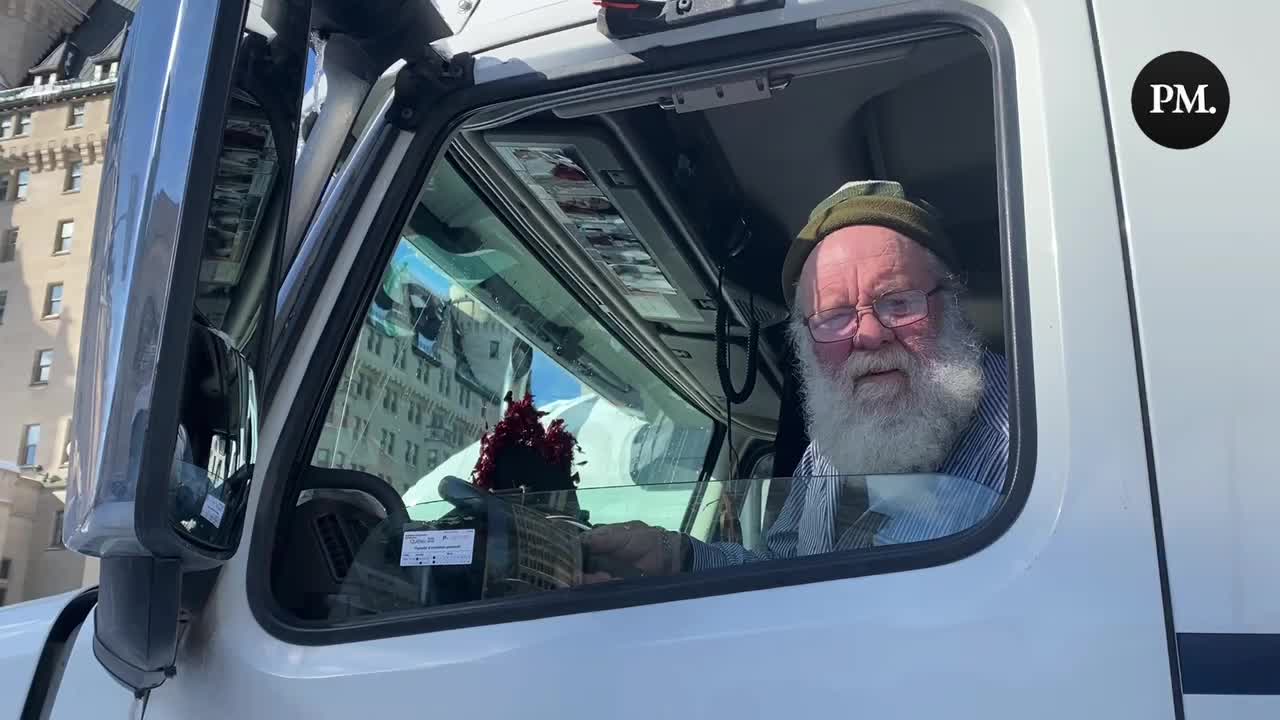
444 117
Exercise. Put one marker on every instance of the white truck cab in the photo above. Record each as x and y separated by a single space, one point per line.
301 455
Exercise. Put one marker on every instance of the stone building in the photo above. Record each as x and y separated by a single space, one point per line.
54 111
425 381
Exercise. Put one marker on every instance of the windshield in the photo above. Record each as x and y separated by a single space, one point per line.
466 317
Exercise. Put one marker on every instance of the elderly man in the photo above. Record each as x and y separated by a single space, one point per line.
895 381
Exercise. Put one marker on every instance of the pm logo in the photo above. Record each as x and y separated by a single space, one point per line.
1180 100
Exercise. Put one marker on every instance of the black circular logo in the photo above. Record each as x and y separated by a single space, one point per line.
1180 100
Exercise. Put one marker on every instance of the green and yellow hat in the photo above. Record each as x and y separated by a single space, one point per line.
882 203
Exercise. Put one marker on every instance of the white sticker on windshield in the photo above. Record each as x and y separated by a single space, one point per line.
437 547
212 510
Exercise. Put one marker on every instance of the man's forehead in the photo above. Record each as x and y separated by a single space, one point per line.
849 251
860 242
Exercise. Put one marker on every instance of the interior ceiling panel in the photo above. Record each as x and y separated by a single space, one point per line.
936 137
810 130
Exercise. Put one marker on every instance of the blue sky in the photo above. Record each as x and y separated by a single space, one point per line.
552 383
421 268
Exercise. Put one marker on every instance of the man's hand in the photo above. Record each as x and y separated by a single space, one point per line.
631 549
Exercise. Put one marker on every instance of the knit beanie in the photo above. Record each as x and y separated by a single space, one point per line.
869 202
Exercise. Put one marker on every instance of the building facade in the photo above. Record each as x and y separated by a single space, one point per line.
424 382
53 134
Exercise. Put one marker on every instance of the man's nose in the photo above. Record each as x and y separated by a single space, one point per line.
871 335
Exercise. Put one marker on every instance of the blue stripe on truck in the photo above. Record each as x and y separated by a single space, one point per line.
1229 663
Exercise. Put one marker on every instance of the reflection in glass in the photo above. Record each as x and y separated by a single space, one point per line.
216 441
465 314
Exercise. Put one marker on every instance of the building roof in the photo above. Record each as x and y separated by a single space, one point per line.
100 38
56 60
112 51
106 19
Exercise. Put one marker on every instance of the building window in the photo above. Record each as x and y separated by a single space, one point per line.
9 246
74 170
58 518
53 300
2 594
322 455
43 366
341 459
24 124
4 299
24 181
5 565
494 347
112 68
77 115
6 126
62 243
30 443
4 186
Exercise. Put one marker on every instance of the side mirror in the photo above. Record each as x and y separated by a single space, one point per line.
217 436
203 497
186 254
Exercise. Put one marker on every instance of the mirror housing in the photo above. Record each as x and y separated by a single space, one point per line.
191 217
139 306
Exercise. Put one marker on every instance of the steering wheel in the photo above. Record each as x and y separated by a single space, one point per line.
318 478
517 549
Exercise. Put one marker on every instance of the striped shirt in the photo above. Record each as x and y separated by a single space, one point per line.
905 508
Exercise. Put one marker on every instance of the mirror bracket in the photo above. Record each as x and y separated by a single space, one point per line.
422 82
137 618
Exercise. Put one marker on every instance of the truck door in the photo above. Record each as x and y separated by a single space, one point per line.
446 287
1209 410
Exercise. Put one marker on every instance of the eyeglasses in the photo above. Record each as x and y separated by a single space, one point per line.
893 310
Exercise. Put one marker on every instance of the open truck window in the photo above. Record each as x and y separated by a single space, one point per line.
615 263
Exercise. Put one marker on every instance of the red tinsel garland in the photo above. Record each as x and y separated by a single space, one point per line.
521 426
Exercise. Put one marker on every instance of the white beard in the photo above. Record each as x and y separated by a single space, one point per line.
868 428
